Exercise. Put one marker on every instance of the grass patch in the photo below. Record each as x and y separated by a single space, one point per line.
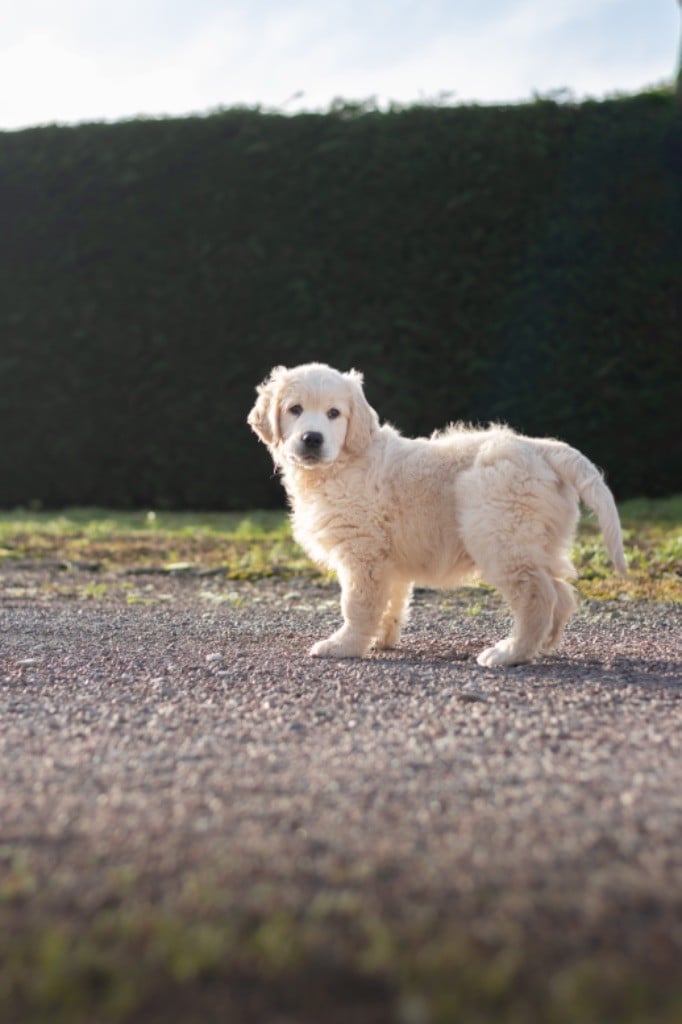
239 545
137 961
652 535
257 545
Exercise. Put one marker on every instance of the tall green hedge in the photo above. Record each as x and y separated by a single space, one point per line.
518 263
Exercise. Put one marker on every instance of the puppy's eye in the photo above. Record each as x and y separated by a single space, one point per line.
296 410
333 414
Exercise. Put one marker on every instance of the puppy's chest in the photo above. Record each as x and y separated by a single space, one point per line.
334 517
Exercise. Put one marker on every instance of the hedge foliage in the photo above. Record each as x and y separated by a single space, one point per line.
519 263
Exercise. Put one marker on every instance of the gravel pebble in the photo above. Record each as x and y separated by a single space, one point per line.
414 778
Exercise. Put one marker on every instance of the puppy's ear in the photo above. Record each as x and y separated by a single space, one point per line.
264 417
363 421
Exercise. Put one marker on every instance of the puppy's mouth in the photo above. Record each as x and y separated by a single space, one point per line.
310 453
304 457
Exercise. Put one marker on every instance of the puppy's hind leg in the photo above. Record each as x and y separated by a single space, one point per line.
394 615
532 596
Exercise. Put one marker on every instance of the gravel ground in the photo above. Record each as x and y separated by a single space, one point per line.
182 729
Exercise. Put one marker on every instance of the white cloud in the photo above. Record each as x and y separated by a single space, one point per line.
532 47
81 60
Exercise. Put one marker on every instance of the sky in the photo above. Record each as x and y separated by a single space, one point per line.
69 61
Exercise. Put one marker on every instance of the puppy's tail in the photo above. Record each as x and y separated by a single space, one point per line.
577 470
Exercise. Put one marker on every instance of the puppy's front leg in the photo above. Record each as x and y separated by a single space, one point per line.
363 599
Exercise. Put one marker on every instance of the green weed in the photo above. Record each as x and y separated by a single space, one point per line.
259 544
137 957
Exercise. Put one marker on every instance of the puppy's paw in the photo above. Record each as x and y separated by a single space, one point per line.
336 647
383 643
501 654
388 636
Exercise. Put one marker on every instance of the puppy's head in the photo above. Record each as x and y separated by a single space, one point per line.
311 415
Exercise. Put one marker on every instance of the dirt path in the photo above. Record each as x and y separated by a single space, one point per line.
185 740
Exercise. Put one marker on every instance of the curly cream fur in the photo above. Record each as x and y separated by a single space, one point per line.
387 512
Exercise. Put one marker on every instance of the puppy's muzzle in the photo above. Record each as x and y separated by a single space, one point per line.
310 445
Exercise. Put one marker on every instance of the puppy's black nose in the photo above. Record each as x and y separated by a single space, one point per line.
312 440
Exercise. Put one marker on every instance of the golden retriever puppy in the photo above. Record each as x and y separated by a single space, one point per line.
387 512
